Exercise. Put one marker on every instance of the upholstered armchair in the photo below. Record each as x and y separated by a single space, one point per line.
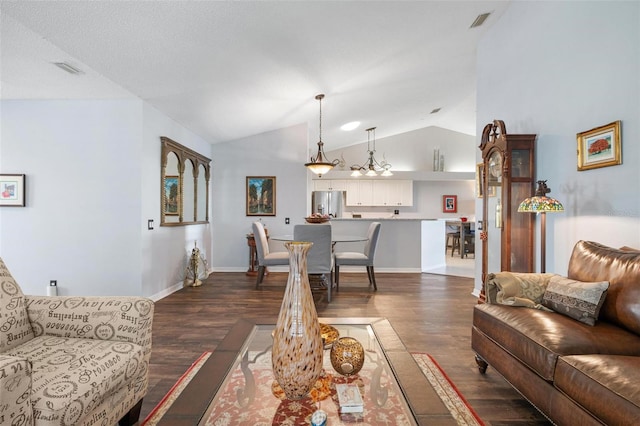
72 360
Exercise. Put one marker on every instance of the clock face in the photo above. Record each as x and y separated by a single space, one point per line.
495 164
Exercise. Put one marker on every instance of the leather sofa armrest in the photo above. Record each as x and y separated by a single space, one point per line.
121 318
15 384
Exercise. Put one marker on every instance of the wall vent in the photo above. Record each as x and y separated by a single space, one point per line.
480 20
68 68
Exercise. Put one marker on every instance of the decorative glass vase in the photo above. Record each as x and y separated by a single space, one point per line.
347 356
296 355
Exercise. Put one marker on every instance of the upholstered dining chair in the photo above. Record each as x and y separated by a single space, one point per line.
265 257
320 256
361 259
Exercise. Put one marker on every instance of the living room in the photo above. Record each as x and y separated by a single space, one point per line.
93 166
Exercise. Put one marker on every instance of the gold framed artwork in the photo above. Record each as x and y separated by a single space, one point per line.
600 147
261 196
492 189
12 190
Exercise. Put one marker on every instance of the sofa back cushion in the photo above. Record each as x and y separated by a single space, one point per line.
592 261
15 328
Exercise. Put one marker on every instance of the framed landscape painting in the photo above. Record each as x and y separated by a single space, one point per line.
449 204
600 147
261 196
12 192
172 195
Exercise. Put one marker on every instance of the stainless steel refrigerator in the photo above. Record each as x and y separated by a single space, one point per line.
327 202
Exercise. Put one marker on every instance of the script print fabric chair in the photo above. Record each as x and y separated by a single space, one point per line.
320 256
266 257
72 360
365 258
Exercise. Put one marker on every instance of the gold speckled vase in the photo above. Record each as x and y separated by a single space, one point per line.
296 355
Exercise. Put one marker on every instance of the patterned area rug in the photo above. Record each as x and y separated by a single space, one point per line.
444 387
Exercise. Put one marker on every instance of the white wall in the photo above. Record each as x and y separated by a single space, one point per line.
557 69
93 180
81 223
413 151
166 249
280 153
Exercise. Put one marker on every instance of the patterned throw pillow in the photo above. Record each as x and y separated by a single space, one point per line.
576 299
15 328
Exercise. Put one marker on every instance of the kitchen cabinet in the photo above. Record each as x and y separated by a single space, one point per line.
379 192
329 185
392 193
360 193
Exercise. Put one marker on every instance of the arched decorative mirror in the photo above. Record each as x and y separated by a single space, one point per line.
184 180
508 167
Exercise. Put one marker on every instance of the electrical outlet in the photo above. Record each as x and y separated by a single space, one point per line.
286 220
53 283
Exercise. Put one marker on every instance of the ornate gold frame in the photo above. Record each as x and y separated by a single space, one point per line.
600 147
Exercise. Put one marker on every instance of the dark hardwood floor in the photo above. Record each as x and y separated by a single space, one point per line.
430 313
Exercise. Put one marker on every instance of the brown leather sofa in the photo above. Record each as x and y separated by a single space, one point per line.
574 373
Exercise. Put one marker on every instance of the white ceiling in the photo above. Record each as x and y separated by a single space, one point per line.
227 69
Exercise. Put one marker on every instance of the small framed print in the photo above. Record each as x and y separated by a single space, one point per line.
261 196
600 147
172 195
12 190
449 204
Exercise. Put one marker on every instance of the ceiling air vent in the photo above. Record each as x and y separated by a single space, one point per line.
435 110
480 20
68 68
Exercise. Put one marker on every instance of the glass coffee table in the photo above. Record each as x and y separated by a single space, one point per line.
236 385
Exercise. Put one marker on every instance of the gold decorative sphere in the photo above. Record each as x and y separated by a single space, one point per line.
347 356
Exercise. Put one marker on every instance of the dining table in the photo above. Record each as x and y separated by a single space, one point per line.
464 227
334 238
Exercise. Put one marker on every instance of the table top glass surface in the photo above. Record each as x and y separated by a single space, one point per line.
249 393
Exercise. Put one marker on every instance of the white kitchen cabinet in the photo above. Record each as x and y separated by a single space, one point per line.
359 193
392 193
329 185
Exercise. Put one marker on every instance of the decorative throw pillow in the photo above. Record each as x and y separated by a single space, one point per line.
576 299
15 328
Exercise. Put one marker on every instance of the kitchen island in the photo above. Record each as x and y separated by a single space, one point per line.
402 245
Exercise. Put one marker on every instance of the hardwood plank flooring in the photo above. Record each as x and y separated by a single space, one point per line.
430 313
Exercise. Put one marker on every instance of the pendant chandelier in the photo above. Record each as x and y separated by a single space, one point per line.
372 167
320 165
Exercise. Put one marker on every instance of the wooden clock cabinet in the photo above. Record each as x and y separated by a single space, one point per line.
508 172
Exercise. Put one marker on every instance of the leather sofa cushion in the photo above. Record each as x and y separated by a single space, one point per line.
595 262
537 337
603 384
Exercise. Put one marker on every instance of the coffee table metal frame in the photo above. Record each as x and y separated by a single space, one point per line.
423 402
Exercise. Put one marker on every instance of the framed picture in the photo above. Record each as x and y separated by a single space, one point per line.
261 195
449 204
12 190
600 147
479 172
172 195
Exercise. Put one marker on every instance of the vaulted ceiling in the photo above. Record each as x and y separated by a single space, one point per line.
231 69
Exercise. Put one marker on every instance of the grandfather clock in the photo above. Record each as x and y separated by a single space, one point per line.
507 179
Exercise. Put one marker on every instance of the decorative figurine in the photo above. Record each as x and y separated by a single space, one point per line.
196 268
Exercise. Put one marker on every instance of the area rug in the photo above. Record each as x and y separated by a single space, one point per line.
156 414
459 408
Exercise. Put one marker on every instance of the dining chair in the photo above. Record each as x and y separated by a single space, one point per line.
361 259
266 257
320 256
